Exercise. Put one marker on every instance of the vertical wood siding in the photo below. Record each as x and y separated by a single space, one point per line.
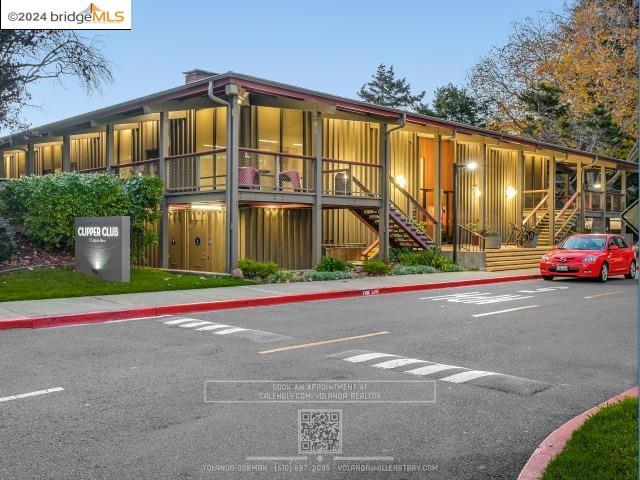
502 173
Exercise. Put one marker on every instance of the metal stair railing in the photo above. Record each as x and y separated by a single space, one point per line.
470 240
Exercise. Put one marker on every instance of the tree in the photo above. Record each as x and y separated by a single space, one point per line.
455 104
569 78
388 91
27 56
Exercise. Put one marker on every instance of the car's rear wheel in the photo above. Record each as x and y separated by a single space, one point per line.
632 270
547 277
604 273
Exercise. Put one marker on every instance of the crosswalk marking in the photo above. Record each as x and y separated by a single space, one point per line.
398 362
194 324
230 330
466 376
179 320
367 356
429 369
478 298
213 327
443 372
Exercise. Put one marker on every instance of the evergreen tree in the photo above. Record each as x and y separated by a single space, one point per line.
386 90
455 104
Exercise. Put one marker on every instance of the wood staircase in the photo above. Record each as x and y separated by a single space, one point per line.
500 259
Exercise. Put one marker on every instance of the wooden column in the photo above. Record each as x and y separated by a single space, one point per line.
603 196
66 153
383 217
163 152
109 152
3 173
484 166
437 191
579 189
552 200
30 159
316 213
623 190
520 188
231 196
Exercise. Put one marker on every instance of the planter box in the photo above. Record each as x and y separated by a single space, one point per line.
493 241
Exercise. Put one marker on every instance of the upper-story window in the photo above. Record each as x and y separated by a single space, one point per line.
280 130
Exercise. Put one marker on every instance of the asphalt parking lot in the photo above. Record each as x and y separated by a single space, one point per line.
507 364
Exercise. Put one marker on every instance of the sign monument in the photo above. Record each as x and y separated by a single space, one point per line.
103 247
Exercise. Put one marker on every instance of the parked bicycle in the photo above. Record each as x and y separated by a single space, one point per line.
520 236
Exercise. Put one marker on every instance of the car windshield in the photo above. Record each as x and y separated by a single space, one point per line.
583 243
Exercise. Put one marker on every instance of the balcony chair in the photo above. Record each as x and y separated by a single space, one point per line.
293 177
249 178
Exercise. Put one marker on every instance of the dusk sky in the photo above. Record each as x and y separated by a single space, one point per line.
331 46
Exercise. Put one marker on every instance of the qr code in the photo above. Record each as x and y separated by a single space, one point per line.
319 431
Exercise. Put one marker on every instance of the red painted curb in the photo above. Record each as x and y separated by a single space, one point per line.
554 443
93 317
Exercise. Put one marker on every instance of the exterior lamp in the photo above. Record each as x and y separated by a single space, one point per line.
472 165
597 186
476 191
401 181
510 192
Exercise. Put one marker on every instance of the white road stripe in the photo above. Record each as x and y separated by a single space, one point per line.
230 330
453 295
504 311
31 394
398 362
466 376
213 327
367 356
429 369
179 320
195 324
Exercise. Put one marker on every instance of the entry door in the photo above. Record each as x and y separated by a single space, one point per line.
199 241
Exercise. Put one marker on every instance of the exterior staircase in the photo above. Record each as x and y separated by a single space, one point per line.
500 259
402 231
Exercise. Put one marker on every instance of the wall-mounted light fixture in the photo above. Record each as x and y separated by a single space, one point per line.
510 192
471 165
401 181
206 207
476 190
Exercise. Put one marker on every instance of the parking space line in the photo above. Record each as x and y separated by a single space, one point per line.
617 292
466 376
326 342
504 311
31 394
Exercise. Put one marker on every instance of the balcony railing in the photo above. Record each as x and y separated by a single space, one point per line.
267 171
593 201
344 177
145 167
196 172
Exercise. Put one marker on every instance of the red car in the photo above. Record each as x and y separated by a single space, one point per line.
590 256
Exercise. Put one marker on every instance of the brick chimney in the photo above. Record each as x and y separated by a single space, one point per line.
196 74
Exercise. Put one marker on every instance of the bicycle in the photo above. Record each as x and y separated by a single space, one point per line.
520 235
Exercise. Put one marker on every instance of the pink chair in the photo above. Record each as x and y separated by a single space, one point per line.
293 177
249 177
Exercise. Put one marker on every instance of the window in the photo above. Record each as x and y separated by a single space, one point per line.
621 242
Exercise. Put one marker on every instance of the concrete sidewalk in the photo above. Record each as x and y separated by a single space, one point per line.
106 303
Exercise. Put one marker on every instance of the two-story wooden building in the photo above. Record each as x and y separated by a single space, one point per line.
263 170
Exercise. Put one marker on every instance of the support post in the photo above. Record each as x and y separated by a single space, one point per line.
163 152
456 168
66 153
579 189
109 137
30 160
483 185
552 200
231 195
520 188
437 191
623 190
3 173
603 196
383 218
316 213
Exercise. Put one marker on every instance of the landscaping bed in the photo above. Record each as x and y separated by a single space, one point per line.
605 447
62 282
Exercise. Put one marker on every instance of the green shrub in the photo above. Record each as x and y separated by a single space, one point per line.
394 252
329 264
399 269
316 276
432 257
375 267
7 242
451 267
254 269
284 276
48 205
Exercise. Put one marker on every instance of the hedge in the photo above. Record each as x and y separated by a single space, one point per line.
48 205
